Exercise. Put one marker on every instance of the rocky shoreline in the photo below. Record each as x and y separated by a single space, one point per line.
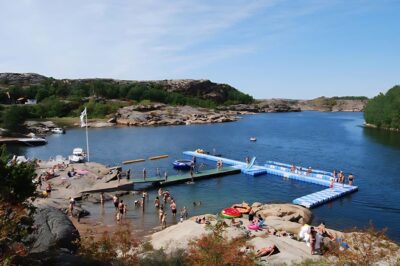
158 114
384 128
58 231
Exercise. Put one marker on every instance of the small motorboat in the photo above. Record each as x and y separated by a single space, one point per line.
58 130
253 139
78 156
33 141
183 164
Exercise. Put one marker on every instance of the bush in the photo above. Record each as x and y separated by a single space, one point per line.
213 249
367 247
110 248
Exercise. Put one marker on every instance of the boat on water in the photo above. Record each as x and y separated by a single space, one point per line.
78 156
33 141
183 164
58 130
253 139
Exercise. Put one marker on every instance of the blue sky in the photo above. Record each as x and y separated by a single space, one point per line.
268 48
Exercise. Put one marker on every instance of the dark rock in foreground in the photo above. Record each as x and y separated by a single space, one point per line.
54 231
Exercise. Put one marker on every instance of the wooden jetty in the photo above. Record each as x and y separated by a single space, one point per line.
125 184
122 185
203 174
318 177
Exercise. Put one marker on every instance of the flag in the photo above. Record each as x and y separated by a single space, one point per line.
83 116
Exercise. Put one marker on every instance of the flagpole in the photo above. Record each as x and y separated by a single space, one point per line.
87 140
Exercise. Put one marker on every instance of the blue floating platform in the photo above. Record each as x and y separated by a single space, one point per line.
317 177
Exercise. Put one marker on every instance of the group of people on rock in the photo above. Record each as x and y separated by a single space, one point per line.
256 219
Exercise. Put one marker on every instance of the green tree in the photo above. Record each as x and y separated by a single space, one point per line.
14 118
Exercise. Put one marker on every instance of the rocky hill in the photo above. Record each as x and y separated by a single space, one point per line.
199 89
21 79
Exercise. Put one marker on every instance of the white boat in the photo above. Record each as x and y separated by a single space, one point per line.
33 141
58 130
253 139
78 156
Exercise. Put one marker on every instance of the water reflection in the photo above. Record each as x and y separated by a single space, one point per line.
381 136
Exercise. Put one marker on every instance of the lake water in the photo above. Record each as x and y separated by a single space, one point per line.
321 140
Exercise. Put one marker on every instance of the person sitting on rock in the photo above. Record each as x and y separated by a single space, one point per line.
261 221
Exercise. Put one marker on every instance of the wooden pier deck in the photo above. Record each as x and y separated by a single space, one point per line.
125 184
122 185
203 174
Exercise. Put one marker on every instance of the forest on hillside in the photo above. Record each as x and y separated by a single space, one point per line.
383 110
101 97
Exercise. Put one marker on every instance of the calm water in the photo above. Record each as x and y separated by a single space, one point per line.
321 140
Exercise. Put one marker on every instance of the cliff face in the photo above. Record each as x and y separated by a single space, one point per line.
321 104
324 104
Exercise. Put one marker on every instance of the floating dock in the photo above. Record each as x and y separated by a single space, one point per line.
317 177
323 196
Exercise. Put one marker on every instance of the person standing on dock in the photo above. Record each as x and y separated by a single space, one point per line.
341 178
144 173
165 176
118 175
128 174
247 160
194 160
332 183
158 172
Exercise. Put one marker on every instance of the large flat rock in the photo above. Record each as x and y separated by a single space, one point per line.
54 231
